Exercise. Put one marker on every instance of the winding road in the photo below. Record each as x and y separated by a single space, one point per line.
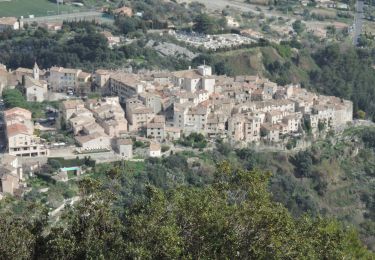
358 21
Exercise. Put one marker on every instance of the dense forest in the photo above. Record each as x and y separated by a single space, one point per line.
233 217
78 45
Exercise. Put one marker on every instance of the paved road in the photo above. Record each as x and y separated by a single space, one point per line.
219 5
240 5
358 21
91 15
100 157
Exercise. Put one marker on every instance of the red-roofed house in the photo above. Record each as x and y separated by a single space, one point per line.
17 111
124 11
20 134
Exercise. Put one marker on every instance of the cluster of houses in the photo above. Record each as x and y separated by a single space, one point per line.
37 84
95 122
244 109
102 124
20 133
11 175
14 24
10 23
164 105
159 107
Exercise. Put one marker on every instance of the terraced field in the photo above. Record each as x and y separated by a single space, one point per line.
33 7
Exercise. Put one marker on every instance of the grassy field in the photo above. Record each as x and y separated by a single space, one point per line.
32 7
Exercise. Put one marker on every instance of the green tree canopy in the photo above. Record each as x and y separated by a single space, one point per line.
298 26
203 23
234 217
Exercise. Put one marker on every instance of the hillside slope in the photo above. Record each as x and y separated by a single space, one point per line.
335 177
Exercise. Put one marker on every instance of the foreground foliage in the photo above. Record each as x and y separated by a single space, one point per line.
234 217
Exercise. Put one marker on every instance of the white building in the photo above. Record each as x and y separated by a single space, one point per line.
125 148
94 141
10 174
195 79
155 150
63 79
35 90
156 131
101 78
138 115
20 134
9 23
151 100
125 85
70 107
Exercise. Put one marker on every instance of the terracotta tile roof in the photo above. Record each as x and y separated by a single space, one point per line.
8 20
16 129
124 10
81 120
83 75
31 82
87 138
17 111
142 110
24 71
72 104
270 127
131 80
107 34
162 75
124 142
155 147
64 70
198 110
103 72
173 129
275 113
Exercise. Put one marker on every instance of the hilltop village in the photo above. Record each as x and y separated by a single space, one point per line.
156 109
164 106
121 121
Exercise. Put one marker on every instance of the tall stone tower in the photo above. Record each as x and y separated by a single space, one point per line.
36 72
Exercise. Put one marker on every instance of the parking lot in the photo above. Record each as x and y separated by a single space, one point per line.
213 42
